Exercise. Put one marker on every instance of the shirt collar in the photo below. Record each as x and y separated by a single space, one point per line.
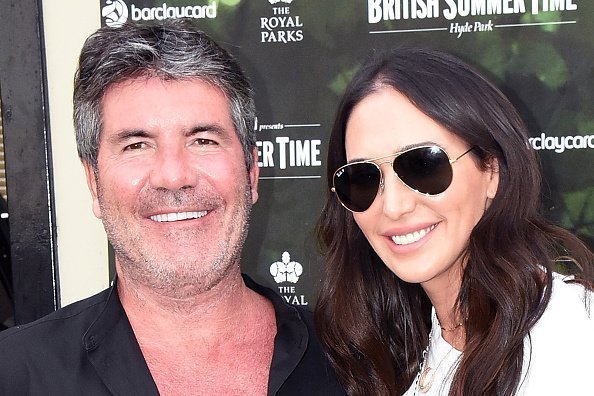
113 349
114 352
291 340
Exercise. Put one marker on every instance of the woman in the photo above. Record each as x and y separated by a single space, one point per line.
440 268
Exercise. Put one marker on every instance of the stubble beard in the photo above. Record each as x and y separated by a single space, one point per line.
179 276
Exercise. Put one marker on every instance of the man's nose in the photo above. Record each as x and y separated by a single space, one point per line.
173 169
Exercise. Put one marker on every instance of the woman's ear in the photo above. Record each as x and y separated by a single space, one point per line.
493 171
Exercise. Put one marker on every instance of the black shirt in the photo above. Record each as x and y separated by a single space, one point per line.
89 348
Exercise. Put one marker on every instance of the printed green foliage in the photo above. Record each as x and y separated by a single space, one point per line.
229 3
579 214
544 17
552 70
339 83
585 125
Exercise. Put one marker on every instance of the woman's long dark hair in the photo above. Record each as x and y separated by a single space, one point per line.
376 326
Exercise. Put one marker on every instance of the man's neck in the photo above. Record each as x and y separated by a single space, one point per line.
190 345
222 306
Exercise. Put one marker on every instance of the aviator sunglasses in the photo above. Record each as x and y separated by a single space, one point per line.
426 170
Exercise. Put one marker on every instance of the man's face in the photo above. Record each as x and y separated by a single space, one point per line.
171 185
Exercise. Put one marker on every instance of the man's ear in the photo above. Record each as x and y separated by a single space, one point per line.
254 174
92 184
493 170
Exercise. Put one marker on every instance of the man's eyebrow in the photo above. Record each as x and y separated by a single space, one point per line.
126 134
212 128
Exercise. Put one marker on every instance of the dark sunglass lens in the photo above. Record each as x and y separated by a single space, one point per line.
425 169
356 185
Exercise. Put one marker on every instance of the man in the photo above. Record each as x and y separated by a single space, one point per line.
163 120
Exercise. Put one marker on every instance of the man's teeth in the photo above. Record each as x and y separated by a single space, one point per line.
177 216
411 237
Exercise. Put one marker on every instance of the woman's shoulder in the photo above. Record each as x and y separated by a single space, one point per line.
570 298
563 335
568 316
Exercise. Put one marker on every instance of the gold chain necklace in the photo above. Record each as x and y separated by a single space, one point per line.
426 375
451 328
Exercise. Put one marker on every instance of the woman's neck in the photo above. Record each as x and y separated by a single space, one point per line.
443 294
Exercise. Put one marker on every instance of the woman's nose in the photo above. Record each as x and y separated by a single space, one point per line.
396 198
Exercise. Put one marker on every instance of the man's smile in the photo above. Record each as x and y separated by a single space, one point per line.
177 216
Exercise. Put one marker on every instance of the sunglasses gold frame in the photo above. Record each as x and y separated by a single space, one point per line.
395 155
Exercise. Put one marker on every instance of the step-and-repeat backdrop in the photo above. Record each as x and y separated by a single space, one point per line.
300 54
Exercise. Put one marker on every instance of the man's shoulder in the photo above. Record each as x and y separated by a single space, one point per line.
48 331
50 356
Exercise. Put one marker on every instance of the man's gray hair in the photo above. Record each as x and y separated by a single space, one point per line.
171 50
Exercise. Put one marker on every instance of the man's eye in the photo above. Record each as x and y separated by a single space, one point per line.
135 146
204 142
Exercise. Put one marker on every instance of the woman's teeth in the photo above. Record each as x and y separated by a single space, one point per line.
412 237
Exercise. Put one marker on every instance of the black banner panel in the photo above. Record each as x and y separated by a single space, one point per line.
300 54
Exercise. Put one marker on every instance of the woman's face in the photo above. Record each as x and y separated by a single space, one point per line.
420 238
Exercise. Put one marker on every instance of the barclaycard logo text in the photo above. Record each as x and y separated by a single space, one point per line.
116 12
